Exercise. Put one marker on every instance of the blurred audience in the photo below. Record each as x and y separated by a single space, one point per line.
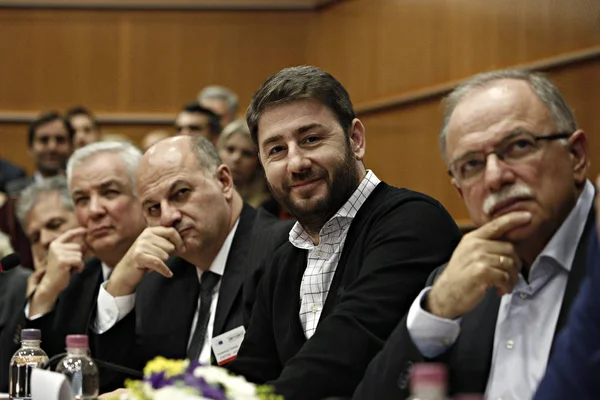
239 153
50 140
85 125
222 101
115 137
197 120
154 137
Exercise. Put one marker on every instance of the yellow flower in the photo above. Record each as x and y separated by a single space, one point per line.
170 367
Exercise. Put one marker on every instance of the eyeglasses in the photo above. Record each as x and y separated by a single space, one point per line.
511 150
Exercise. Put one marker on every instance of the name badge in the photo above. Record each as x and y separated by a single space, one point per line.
226 345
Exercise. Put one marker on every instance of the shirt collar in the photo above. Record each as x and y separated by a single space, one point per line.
218 264
106 271
37 177
301 239
563 245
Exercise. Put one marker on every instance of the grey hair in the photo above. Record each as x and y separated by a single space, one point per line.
237 126
223 93
127 152
30 196
206 154
543 88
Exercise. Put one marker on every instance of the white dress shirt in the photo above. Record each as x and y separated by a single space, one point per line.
113 309
527 317
323 258
106 270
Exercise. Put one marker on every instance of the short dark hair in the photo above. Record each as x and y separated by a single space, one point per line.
214 122
80 110
48 117
296 83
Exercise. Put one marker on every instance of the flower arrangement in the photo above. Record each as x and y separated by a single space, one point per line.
189 380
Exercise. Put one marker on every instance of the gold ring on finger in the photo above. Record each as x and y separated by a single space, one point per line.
501 261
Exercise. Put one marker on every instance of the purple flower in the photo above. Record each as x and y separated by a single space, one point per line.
159 380
207 390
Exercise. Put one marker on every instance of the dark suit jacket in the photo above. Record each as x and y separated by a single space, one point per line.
9 172
13 284
469 360
574 367
71 314
162 319
14 187
396 239
269 234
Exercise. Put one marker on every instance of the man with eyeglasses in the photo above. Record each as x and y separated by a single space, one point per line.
519 161
197 120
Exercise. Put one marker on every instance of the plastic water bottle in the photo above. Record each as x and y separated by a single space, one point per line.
80 369
428 381
29 356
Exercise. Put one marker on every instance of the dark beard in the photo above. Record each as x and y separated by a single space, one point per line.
346 178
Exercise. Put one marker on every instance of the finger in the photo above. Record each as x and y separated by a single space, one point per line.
500 226
154 263
71 234
76 264
496 247
499 279
159 243
63 247
171 235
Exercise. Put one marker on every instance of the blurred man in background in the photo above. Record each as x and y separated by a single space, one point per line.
222 101
85 125
197 120
50 140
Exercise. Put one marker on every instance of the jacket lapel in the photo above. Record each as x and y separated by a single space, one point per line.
472 353
91 279
235 272
577 273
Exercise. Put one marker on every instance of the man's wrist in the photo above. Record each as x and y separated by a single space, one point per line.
117 288
42 300
432 306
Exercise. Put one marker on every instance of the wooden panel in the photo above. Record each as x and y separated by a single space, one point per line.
140 61
171 4
402 144
381 48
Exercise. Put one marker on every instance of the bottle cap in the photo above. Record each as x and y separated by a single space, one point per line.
77 341
31 334
428 373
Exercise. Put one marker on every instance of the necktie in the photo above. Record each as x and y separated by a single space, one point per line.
207 284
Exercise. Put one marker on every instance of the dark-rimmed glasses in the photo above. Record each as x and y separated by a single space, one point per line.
511 150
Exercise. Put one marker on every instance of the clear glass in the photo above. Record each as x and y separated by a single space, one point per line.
82 372
29 356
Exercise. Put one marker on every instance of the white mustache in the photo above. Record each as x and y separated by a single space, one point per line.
516 191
